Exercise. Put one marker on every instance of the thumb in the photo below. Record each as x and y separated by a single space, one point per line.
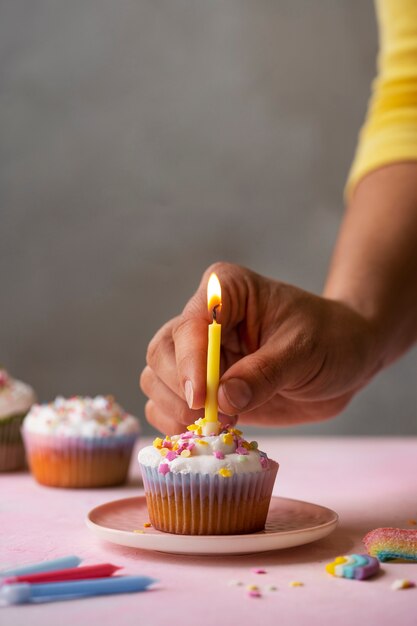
252 381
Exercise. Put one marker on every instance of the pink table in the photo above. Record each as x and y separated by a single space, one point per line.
369 482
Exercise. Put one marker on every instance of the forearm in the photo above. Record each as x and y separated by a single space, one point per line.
374 265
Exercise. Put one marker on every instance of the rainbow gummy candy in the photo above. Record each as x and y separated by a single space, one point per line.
392 543
355 566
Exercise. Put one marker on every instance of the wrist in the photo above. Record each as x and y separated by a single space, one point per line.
362 334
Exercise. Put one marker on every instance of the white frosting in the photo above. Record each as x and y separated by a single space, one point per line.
15 397
81 417
202 459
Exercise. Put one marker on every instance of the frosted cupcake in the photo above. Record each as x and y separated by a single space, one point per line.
16 398
79 442
207 485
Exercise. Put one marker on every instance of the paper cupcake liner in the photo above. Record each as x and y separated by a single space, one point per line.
205 504
76 462
12 452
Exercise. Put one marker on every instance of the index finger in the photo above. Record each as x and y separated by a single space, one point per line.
190 340
190 334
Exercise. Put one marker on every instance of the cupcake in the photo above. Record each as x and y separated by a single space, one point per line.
79 442
16 398
198 484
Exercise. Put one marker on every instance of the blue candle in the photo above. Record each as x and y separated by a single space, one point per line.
64 562
24 593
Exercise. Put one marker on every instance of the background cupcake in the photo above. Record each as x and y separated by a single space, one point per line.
207 485
80 442
16 398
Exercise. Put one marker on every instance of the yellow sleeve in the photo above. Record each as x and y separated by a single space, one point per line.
390 130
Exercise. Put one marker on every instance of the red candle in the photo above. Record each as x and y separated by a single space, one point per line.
75 573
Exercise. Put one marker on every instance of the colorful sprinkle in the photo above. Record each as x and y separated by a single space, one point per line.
295 583
252 587
147 525
163 468
254 594
139 531
412 522
182 445
226 473
402 583
4 379
259 571
235 583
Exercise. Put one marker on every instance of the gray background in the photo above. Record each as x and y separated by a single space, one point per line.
142 140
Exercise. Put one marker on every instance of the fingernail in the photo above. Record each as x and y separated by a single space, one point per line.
189 393
237 392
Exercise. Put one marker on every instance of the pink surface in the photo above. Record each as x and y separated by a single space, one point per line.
369 482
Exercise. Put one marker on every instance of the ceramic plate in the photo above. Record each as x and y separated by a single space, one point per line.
289 523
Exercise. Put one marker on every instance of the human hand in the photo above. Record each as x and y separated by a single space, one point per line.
288 356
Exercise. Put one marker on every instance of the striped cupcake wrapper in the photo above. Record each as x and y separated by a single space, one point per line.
79 462
206 504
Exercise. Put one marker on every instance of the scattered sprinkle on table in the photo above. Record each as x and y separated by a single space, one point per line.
412 522
147 525
296 583
259 571
402 583
254 594
235 583
139 531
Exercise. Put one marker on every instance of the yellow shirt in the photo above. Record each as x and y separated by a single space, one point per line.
390 130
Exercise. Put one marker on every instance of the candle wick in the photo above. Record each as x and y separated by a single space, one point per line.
214 312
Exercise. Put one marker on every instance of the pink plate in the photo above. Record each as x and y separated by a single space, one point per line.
289 523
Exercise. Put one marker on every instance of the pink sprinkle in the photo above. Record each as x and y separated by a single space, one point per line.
240 450
171 455
167 444
254 594
218 454
264 462
187 435
163 468
191 445
259 571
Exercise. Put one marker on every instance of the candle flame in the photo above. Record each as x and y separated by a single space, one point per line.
214 293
